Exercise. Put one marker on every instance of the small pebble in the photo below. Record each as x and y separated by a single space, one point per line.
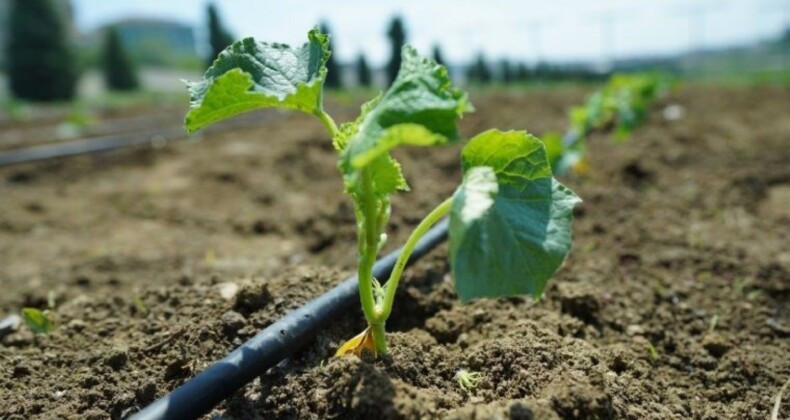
231 322
634 330
716 344
228 290
9 324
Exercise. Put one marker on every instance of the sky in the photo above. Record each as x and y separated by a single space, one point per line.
522 30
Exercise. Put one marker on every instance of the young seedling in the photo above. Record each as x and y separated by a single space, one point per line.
40 322
510 220
621 105
468 380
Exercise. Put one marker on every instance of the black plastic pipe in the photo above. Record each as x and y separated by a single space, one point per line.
109 143
83 147
269 347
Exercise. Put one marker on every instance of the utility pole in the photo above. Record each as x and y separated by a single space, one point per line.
607 41
608 32
535 32
696 15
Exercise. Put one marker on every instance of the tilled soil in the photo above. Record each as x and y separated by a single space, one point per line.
674 302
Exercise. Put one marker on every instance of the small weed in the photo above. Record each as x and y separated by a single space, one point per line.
754 294
39 321
51 300
468 380
139 304
654 356
713 322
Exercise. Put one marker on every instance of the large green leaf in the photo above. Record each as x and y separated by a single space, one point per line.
420 108
249 75
510 225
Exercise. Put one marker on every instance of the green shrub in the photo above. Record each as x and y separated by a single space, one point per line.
41 63
120 73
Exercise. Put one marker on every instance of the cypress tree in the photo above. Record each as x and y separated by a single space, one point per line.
332 69
508 71
397 36
120 72
218 37
523 73
364 77
437 55
41 64
479 72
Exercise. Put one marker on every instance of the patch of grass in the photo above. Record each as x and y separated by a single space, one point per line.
654 356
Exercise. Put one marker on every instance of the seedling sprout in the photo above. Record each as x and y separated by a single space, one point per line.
468 380
510 220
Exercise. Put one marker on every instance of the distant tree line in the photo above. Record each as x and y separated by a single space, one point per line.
42 64
481 72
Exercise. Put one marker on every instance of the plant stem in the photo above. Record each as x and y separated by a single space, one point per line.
392 284
328 122
368 247
368 250
379 337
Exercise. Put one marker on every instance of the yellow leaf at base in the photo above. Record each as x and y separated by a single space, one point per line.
582 167
362 343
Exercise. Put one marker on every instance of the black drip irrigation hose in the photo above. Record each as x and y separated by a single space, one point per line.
155 138
87 146
270 346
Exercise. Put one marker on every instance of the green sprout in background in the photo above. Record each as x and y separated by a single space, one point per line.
620 106
41 322
510 220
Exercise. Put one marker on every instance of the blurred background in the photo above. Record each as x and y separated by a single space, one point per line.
97 46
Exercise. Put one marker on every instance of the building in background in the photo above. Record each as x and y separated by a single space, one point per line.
153 42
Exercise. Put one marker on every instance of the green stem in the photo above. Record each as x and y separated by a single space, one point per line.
392 284
369 246
328 122
368 250
379 337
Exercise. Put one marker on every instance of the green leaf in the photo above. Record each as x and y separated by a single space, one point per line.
420 109
386 175
579 119
561 156
249 75
596 110
554 148
510 225
37 320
